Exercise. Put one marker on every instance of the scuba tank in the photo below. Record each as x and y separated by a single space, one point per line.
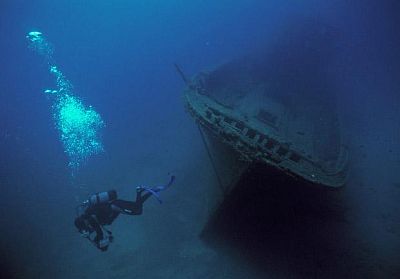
95 199
102 197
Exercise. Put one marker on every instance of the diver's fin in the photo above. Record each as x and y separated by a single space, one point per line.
163 187
154 191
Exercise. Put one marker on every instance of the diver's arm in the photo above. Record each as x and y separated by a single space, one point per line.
97 228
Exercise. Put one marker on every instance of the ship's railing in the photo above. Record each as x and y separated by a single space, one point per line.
254 145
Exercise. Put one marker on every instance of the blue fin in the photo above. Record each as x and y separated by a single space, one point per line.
154 191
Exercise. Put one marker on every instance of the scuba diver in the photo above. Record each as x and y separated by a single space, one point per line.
103 208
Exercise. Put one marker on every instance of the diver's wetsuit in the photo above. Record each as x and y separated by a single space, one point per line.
103 208
95 217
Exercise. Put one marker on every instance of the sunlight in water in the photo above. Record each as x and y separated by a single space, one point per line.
79 126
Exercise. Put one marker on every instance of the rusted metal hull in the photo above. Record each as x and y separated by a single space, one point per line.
259 139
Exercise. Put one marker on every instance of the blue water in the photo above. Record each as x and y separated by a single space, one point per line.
119 56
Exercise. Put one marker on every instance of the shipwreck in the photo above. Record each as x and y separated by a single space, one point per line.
276 107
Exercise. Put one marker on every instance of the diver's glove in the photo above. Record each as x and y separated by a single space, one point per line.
103 244
85 233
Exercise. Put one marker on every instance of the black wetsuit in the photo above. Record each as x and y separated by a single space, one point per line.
94 217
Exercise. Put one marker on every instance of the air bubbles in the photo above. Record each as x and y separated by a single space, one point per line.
79 126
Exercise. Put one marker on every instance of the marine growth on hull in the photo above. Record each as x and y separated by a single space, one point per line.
276 106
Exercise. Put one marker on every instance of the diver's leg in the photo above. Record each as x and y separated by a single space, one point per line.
139 198
131 207
152 191
136 207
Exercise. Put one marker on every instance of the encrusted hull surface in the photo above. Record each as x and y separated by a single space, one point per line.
260 138
278 104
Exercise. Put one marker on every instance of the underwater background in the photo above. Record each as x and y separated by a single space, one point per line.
119 56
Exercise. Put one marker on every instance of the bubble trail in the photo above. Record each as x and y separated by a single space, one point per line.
79 126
